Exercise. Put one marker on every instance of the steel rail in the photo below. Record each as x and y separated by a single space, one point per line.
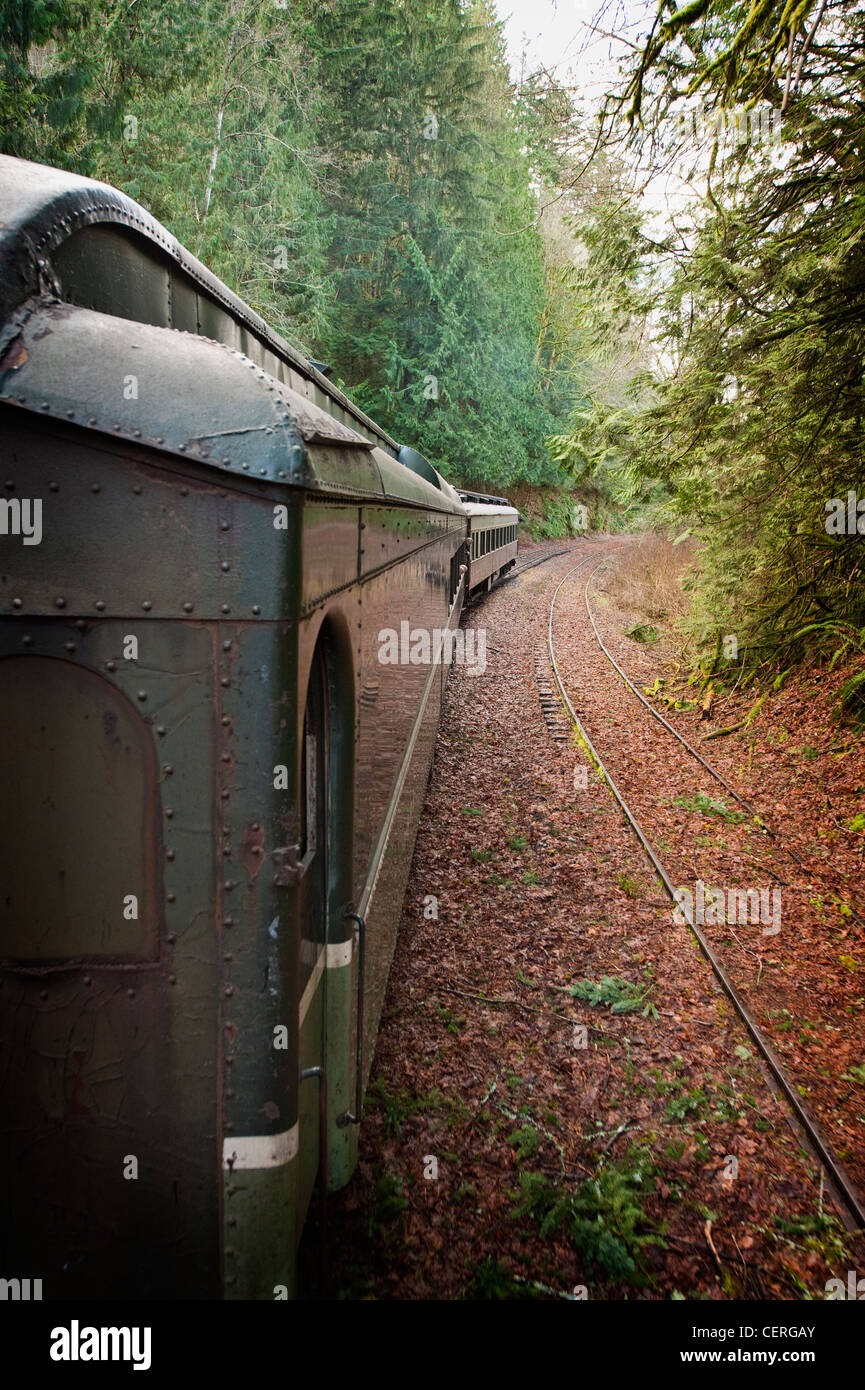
713 771
844 1188
515 573
667 725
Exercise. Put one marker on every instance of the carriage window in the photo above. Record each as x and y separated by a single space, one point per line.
79 819
309 794
313 801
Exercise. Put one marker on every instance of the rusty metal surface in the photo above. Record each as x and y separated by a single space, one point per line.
126 533
99 895
42 208
109 1168
260 960
191 398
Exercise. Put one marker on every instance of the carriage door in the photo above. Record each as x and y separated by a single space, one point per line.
313 921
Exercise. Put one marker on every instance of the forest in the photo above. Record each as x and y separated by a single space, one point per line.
464 249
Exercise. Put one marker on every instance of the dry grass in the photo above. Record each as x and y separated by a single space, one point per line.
647 579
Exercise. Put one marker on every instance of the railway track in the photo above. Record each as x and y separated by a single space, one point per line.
695 753
473 600
847 1196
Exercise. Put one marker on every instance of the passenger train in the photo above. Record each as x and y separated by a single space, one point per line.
212 783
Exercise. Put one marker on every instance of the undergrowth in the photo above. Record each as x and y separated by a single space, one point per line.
604 1217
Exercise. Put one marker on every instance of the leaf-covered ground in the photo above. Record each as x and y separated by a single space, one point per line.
802 771
563 1102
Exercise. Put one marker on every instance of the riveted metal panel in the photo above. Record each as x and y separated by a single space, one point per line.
215 322
408 596
43 207
399 705
180 395
258 800
70 728
259 819
390 533
342 472
118 275
177 393
330 541
183 304
109 1162
382 881
106 514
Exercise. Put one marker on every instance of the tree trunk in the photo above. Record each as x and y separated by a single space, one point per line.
214 157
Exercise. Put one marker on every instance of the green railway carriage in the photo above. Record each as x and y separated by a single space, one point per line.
211 781
492 539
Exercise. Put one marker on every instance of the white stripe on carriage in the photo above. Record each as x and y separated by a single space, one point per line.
260 1150
340 954
332 957
311 986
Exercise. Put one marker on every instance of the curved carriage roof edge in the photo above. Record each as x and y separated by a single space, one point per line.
41 206
482 509
482 498
196 399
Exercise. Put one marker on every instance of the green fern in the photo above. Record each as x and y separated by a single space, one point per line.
604 1217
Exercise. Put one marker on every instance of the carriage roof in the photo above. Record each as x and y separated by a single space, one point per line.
90 282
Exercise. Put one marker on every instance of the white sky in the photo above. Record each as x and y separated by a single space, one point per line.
557 34
563 36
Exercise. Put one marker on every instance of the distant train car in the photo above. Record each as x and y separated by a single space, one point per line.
211 778
493 525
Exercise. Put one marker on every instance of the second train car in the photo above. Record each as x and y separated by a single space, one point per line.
492 539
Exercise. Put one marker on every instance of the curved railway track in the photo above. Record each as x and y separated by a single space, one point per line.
713 771
847 1196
